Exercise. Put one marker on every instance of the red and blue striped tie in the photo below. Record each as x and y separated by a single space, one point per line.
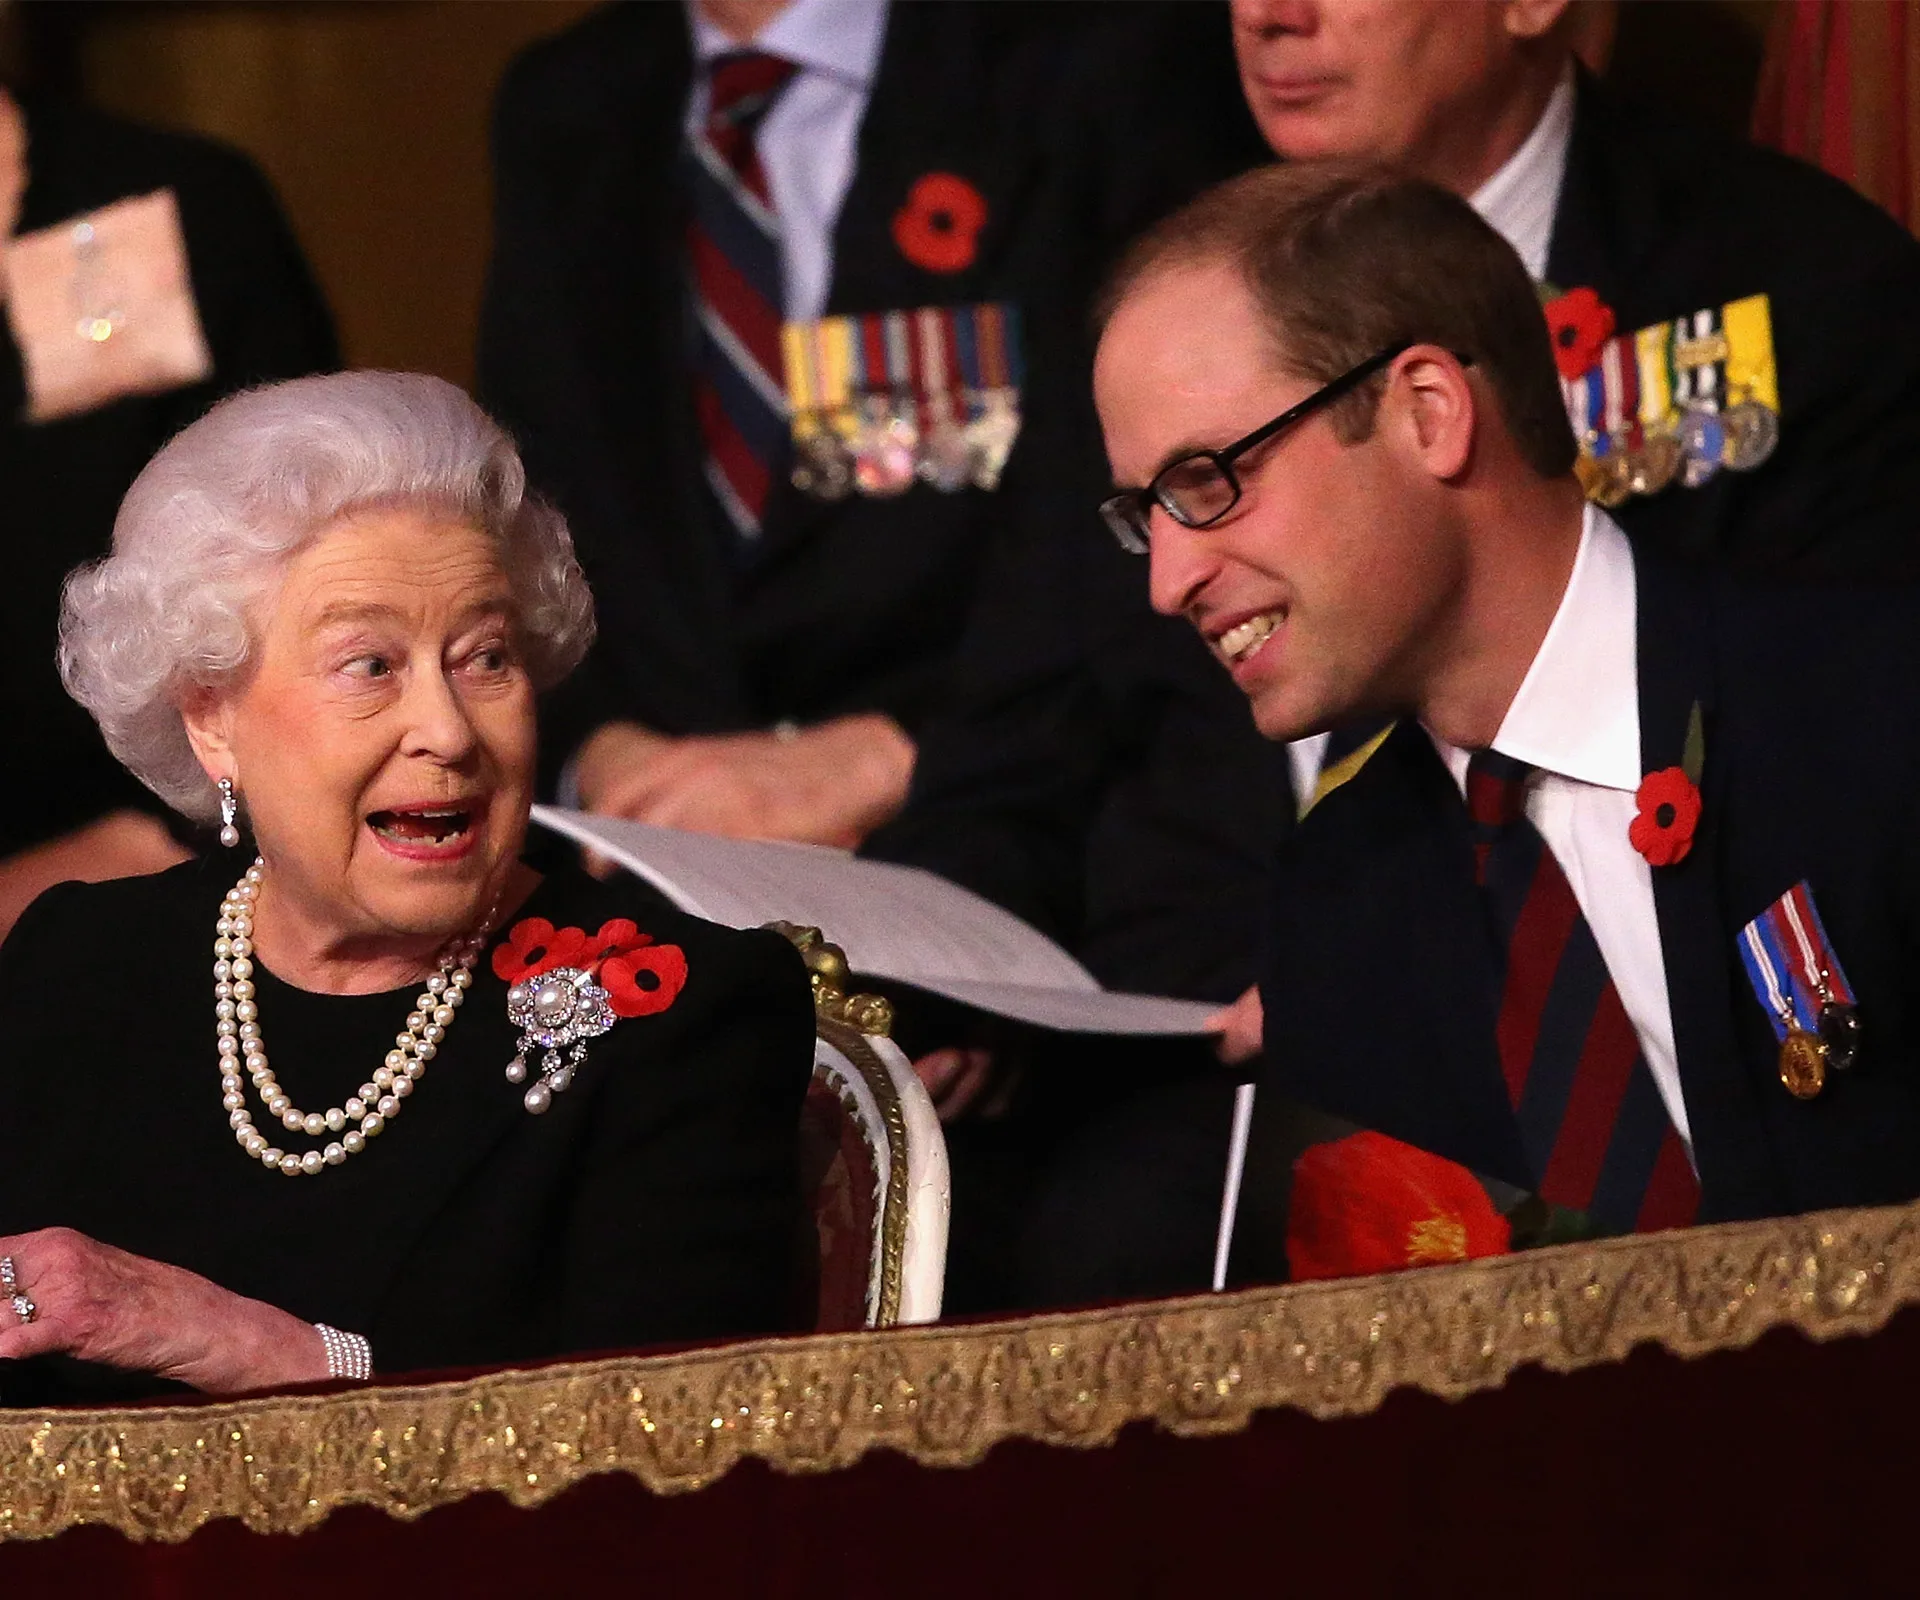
733 242
1590 1116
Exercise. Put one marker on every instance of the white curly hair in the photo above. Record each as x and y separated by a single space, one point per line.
205 534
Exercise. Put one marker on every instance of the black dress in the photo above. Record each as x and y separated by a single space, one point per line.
657 1201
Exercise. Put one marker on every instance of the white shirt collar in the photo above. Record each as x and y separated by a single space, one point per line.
1520 199
841 38
1578 709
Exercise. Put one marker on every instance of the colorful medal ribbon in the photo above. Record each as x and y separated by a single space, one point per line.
944 461
1677 400
887 398
1801 985
816 392
995 427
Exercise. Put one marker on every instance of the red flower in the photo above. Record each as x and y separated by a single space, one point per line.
1669 810
1367 1204
1580 325
644 981
615 938
535 945
939 226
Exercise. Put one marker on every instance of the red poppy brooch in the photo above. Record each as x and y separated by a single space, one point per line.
938 229
567 986
1579 323
1668 803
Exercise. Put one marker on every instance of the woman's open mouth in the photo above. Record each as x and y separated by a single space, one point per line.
426 833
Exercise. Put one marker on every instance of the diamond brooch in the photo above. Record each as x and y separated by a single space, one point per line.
557 1010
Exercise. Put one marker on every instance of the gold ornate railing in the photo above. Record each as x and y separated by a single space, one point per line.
946 1396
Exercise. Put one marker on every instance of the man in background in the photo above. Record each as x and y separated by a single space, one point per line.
1660 221
783 300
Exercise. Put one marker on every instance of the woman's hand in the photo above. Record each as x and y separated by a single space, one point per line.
96 1303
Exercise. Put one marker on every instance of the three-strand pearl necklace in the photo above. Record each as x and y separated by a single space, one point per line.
237 1028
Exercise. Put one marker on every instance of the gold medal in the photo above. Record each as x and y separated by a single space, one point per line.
1803 1063
1654 464
1603 478
821 467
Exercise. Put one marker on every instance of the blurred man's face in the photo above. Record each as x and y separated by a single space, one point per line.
1397 81
1323 590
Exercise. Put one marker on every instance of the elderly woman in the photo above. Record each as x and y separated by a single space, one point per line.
362 1091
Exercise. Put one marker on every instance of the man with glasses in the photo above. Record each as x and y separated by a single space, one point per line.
1529 925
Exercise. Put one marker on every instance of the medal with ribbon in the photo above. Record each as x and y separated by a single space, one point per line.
817 389
944 459
1677 400
990 353
887 398
1800 984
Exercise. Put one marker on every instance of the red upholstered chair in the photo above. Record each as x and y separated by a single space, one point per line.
872 1157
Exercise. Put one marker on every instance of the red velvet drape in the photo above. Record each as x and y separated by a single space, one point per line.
1841 88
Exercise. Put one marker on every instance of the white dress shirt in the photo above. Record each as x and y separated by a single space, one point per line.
807 141
1520 199
1577 719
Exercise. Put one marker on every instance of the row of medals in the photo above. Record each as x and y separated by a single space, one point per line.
1806 1057
1691 449
879 448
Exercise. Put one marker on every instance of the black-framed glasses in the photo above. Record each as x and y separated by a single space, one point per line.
1199 489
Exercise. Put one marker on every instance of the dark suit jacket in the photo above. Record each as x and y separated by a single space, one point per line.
1381 997
263 319
585 348
1111 783
657 1201
1663 221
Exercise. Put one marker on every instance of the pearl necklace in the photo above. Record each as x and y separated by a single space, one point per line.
237 1034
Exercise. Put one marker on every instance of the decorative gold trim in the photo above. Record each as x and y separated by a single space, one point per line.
946 1395
827 967
892 1203
847 1021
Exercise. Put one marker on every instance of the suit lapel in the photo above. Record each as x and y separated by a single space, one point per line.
1384 1003
1676 672
630 210
1604 223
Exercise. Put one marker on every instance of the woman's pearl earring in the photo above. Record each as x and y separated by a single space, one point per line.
229 834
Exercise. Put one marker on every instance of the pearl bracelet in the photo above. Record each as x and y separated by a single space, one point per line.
349 1356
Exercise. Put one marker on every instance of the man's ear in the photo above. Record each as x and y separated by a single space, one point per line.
1437 411
208 717
1532 19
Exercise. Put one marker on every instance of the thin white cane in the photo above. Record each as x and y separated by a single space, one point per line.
1230 1197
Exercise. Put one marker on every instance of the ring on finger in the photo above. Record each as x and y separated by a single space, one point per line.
9 1276
24 1308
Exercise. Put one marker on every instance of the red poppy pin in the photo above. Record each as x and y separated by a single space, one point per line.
1580 323
1367 1204
1668 802
938 229
568 986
